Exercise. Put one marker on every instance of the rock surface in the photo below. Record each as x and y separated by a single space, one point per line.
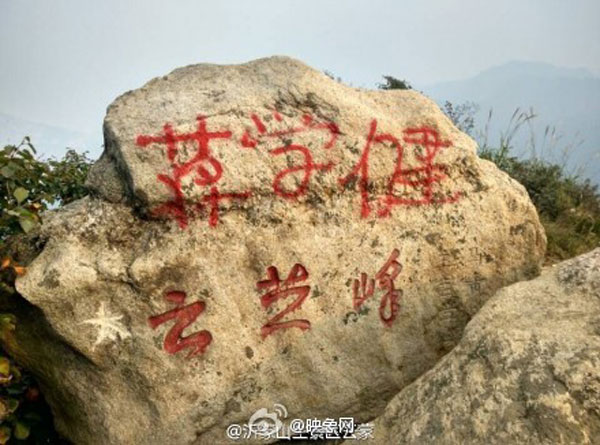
301 243
527 370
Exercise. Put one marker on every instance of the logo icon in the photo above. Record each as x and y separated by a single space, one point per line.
267 424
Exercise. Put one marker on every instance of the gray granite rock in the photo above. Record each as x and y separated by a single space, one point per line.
161 299
526 372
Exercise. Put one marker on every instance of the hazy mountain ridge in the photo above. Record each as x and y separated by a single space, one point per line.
565 98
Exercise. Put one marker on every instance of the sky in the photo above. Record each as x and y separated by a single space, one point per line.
64 61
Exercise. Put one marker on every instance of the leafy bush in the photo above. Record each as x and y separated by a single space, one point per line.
568 206
21 407
28 186
391 83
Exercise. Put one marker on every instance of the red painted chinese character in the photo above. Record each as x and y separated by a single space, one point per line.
308 166
183 316
364 289
213 202
361 169
207 170
278 290
308 124
421 178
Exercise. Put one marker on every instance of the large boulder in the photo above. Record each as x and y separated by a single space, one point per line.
527 370
262 234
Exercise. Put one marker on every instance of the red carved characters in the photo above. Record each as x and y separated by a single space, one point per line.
420 178
207 170
308 166
183 316
278 290
365 288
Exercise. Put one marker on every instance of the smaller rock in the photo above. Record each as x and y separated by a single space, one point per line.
526 371
104 179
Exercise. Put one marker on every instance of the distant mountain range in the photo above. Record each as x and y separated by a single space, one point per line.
49 141
565 99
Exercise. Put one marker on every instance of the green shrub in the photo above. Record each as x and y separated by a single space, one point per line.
391 83
28 186
568 206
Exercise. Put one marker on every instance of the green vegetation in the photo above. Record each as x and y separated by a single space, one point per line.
568 205
28 186
24 415
391 83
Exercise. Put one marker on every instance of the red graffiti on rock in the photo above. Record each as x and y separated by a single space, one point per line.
414 182
308 166
276 290
183 316
421 178
308 124
207 170
364 289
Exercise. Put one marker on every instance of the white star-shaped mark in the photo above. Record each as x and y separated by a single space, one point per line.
109 326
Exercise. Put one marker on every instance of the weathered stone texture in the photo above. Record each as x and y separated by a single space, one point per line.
527 370
443 228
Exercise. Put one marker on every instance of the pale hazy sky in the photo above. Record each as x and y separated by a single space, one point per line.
64 61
